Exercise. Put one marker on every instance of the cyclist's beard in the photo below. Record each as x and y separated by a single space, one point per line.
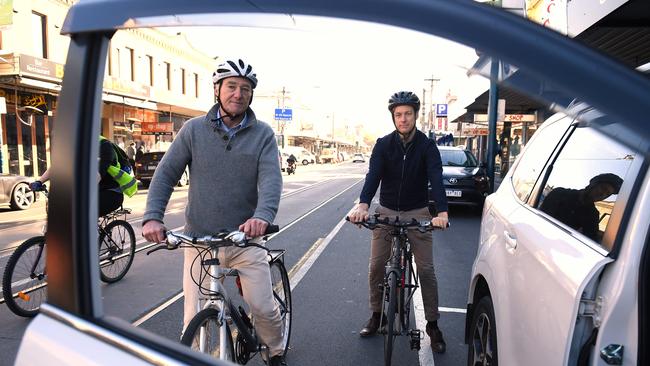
405 136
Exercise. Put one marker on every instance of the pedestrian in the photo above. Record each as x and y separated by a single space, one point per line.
130 153
404 162
234 159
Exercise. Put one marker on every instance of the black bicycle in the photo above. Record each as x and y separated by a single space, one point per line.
25 277
400 281
222 329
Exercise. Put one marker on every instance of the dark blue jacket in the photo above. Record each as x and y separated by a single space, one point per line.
404 173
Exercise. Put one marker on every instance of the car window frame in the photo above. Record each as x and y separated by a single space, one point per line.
74 200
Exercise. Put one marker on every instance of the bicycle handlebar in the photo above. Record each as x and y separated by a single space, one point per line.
237 238
374 222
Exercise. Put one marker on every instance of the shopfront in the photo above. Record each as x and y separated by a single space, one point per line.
26 128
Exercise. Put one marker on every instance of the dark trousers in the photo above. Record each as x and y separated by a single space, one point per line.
109 201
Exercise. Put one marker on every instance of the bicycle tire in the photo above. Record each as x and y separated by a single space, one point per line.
115 258
208 319
282 295
22 296
391 305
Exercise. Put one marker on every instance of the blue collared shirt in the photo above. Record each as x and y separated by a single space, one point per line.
231 131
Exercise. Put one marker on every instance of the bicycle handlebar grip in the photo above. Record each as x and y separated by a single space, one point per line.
272 229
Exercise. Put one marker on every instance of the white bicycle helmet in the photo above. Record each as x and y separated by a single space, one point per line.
231 68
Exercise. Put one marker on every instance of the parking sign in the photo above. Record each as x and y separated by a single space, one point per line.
283 114
441 110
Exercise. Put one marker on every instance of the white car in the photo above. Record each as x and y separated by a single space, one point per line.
358 158
562 264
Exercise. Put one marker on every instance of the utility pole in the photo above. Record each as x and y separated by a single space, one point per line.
424 108
430 119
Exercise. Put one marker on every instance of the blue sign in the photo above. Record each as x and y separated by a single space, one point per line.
283 114
441 110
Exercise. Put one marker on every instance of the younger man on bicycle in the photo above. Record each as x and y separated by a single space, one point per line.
404 161
235 184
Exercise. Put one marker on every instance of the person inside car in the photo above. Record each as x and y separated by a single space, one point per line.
404 162
243 193
576 207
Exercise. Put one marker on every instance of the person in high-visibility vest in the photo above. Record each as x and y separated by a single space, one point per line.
110 194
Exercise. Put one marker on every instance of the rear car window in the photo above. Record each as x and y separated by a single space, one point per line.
536 155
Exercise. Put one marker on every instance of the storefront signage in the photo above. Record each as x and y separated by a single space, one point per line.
154 127
507 118
127 87
39 67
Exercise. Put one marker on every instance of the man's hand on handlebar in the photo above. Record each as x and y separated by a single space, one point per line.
359 213
441 221
254 227
154 231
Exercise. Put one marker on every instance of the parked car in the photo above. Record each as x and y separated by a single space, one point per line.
464 178
146 166
358 158
561 268
302 155
15 191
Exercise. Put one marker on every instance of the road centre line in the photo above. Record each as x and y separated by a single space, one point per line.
296 268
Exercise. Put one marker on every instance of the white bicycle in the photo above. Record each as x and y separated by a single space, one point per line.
221 329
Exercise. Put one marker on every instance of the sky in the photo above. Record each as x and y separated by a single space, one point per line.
339 68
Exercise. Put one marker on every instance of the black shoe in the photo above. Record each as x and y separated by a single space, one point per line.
438 344
277 361
371 326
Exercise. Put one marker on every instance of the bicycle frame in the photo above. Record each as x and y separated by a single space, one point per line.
218 298
400 258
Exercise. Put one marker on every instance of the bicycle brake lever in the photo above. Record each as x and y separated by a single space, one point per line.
158 247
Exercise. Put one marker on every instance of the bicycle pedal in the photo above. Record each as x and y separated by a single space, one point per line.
415 337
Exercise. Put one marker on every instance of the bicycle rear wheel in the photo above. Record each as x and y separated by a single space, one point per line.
116 250
202 334
24 281
390 307
282 296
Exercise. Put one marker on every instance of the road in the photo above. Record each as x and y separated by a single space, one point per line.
328 263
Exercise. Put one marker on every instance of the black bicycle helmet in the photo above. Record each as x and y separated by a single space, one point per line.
404 98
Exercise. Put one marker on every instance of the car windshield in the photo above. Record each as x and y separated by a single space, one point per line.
457 158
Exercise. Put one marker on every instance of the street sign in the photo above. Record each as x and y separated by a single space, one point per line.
283 114
441 110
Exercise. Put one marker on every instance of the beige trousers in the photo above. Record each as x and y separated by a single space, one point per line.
422 248
255 276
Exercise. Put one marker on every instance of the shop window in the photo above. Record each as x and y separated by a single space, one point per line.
39 27
12 144
41 144
27 142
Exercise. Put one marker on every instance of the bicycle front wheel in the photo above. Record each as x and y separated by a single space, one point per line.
203 335
24 281
116 250
390 307
282 296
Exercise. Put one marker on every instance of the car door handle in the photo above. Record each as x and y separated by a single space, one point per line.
511 241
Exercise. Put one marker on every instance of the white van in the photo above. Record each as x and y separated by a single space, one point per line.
303 156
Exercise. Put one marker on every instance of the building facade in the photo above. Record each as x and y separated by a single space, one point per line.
153 82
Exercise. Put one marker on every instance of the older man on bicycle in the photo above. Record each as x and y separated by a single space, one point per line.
404 161
235 184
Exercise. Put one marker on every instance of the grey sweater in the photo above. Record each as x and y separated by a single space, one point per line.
231 180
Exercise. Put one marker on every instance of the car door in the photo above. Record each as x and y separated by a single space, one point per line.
555 259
